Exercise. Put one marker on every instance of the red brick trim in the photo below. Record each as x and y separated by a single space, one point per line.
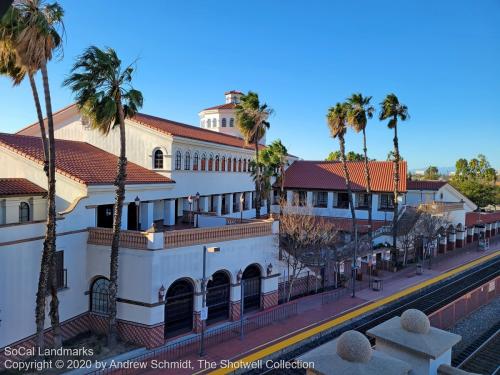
269 299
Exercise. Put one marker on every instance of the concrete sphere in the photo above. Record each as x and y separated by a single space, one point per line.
353 346
415 321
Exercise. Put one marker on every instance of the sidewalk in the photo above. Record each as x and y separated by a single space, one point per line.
311 312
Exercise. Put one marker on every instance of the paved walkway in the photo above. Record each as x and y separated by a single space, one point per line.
311 312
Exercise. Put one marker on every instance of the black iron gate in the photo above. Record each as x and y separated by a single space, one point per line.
252 294
218 290
179 309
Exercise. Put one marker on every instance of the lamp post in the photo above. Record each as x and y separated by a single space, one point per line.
191 218
204 281
137 202
197 197
242 201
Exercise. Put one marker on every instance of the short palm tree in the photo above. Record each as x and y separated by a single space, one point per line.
32 30
393 110
337 122
252 120
359 111
103 91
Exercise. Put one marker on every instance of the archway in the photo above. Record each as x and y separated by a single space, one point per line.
179 308
218 291
99 295
251 287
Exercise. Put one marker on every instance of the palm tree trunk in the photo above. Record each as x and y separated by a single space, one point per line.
368 189
117 220
257 180
396 184
50 237
351 204
40 123
282 187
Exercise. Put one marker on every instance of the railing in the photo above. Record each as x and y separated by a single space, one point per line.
439 207
129 239
190 346
218 234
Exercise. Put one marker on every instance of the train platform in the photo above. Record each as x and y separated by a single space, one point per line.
313 311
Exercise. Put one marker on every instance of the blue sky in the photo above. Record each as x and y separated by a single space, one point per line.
440 57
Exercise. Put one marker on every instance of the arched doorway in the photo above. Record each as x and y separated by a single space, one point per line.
179 308
251 287
218 289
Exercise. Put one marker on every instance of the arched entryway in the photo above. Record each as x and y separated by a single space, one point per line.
179 308
251 277
218 290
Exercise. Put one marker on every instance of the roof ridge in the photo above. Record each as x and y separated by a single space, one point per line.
45 118
187 125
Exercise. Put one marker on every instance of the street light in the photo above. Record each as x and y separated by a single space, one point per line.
197 197
137 202
204 311
242 201
239 278
190 201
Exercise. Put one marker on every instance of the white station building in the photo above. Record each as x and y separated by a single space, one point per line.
187 187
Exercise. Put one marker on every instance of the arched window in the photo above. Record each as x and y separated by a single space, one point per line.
217 163
208 123
223 165
187 161
214 123
24 212
224 122
211 163
231 122
158 159
229 164
203 162
178 160
244 165
99 296
239 165
249 163
195 161
234 164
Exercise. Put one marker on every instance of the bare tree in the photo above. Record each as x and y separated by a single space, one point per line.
305 240
429 227
407 233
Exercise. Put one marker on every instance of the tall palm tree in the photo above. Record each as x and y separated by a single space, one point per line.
33 28
359 111
337 122
391 109
104 93
252 121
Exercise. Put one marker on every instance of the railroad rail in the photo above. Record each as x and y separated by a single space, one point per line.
482 355
428 300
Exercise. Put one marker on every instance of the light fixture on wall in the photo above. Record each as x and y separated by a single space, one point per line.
161 293
239 275
269 269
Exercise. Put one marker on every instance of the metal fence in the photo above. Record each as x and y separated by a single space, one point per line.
191 345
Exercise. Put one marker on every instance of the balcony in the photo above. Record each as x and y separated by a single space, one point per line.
441 207
228 231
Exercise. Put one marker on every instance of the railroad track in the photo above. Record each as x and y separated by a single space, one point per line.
428 300
482 356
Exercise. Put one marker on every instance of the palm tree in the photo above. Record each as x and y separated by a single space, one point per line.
104 93
359 111
337 122
32 28
252 121
394 111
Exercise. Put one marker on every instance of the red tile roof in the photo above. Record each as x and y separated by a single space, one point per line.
169 127
425 184
222 106
329 175
233 92
19 187
80 161
472 218
178 129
